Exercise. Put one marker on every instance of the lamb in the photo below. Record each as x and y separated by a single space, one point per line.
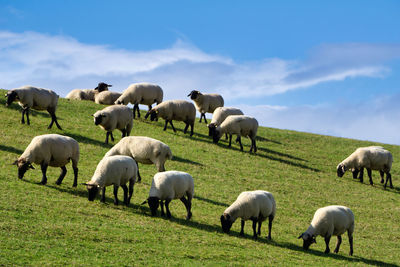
35 98
240 125
114 170
179 110
170 185
87 94
328 221
114 117
371 158
143 149
106 97
50 150
141 93
206 102
219 115
254 205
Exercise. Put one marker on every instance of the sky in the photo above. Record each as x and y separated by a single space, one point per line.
326 67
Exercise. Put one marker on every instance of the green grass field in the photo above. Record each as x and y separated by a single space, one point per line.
57 225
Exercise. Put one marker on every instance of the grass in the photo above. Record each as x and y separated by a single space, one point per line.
57 225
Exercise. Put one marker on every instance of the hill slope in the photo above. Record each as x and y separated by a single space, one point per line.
54 225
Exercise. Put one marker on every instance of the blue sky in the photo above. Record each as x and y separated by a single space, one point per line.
316 66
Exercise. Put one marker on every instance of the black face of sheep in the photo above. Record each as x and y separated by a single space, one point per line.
216 136
98 119
307 240
211 129
226 223
23 166
341 169
153 115
93 190
153 202
102 87
11 96
193 94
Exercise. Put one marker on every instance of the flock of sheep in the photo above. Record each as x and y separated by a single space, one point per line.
119 165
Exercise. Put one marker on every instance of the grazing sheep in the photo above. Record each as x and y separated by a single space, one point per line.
328 221
114 117
179 110
371 158
219 115
35 98
50 150
106 97
143 149
170 185
115 170
141 93
206 102
87 94
240 125
250 205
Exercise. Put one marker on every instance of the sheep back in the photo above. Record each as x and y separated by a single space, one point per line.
372 157
106 97
179 110
141 93
220 114
82 94
332 220
171 185
240 125
36 98
115 117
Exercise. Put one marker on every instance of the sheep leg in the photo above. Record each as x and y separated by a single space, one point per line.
254 228
162 207
125 188
255 146
103 196
186 127
116 194
131 184
112 136
239 139
44 166
355 173
173 128
259 227
382 174
23 114
351 243
388 178
62 175
52 113
167 201
370 176
327 239
107 134
165 125
362 175
139 177
242 228
191 129
270 219
226 136
230 140
123 133
338 242
137 110
75 168
204 116
187 206
27 116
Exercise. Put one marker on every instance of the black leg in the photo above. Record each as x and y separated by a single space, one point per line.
370 176
55 120
259 227
204 116
116 194
191 129
254 228
388 178
255 145
355 173
131 184
362 175
351 244
173 128
167 201
27 116
125 188
162 207
62 175
327 239
138 110
201 116
226 136
382 175
52 120
187 206
75 176
44 166
103 196
138 173
112 136
270 219
123 133
23 114
242 228
240 143
338 242
186 127
165 125
230 140
107 134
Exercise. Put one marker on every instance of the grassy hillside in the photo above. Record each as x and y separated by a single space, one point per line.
55 225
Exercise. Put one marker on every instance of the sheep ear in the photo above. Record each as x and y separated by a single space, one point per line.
300 236
15 162
109 85
84 184
190 93
144 202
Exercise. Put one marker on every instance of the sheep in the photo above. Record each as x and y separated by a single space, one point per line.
254 205
114 170
179 110
35 98
50 150
240 125
170 185
87 94
328 221
106 97
371 158
219 115
206 102
143 149
141 93
114 117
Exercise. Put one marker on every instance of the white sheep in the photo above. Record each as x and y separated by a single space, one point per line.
179 110
250 205
50 150
87 94
219 115
170 185
141 93
371 158
328 221
143 149
114 170
106 97
114 117
206 102
240 125
35 98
